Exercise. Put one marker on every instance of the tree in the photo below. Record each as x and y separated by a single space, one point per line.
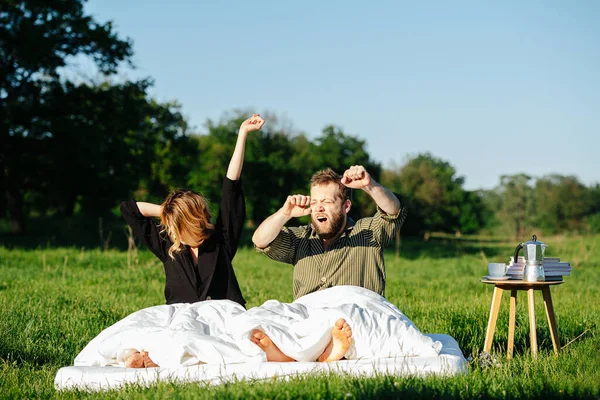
492 203
472 212
100 144
516 209
435 197
88 131
173 150
593 219
36 39
595 198
561 203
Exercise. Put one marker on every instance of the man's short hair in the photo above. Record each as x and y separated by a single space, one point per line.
327 176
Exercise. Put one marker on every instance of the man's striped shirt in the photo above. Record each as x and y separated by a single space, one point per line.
354 258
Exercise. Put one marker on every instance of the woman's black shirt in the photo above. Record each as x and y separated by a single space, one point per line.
213 276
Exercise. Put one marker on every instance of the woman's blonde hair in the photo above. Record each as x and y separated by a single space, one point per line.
185 212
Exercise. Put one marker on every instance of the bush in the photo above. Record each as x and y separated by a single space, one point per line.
593 222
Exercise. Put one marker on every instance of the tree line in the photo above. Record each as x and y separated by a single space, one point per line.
78 149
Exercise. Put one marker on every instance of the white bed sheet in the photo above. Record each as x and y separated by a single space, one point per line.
218 331
449 361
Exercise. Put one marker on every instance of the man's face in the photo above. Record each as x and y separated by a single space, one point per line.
328 216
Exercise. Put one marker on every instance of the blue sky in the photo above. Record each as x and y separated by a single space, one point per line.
491 87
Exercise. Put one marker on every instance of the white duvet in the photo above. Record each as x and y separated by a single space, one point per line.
218 331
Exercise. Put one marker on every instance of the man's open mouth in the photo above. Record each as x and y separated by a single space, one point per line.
322 219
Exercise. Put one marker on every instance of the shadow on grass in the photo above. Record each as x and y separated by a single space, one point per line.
414 248
103 232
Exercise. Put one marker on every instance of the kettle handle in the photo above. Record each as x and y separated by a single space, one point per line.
516 256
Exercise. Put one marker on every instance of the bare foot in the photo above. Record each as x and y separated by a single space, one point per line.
139 359
341 338
134 361
148 363
261 339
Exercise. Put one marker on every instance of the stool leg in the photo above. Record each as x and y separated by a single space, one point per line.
511 323
532 334
551 319
489 336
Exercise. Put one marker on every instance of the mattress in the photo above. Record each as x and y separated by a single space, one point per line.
449 361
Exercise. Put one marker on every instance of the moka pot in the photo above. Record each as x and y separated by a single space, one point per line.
533 251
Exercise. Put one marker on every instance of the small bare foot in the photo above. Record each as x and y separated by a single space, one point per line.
134 361
261 339
148 363
341 338
139 359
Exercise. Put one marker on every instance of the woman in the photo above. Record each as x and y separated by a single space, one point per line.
197 254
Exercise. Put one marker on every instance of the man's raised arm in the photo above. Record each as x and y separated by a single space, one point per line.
294 206
356 177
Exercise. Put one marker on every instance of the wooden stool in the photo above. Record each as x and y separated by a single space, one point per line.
514 287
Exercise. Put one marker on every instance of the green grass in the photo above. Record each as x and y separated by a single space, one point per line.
53 301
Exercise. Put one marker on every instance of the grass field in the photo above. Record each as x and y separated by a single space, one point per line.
53 301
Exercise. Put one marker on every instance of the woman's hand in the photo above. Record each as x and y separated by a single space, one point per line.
254 123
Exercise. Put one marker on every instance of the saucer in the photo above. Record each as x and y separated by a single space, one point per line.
497 278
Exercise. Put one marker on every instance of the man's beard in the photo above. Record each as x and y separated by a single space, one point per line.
334 225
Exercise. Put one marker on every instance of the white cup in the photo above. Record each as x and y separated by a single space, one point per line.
496 270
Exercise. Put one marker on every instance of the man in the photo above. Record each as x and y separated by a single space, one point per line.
333 250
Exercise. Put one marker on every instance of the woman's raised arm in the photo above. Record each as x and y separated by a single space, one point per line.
253 123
